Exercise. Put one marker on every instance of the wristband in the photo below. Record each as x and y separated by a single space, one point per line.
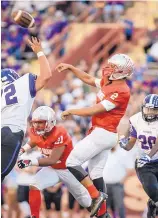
34 162
26 147
40 53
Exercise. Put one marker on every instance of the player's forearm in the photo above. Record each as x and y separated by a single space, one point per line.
45 71
89 111
45 162
86 78
129 146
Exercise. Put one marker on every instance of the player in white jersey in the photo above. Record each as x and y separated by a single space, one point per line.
17 97
144 132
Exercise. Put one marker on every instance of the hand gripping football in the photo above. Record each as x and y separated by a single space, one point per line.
23 18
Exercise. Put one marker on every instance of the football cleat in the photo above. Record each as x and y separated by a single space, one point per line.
105 215
151 209
96 203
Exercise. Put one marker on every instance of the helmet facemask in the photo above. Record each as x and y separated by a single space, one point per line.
43 120
149 114
42 126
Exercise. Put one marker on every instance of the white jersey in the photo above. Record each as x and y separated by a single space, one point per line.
146 134
16 102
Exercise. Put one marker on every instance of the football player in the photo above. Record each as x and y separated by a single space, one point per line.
55 144
144 132
111 104
18 94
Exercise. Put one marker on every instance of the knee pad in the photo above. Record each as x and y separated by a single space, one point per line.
78 172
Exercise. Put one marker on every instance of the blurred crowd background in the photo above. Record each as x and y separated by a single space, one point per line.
64 28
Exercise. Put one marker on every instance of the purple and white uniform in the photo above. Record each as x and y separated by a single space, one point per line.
145 133
16 102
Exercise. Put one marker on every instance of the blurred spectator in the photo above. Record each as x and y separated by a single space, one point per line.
117 169
52 201
152 36
113 10
12 207
152 55
128 25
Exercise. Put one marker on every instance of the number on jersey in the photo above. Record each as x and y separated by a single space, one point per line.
9 94
113 96
147 142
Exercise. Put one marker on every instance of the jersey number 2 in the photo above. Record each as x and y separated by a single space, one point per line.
9 92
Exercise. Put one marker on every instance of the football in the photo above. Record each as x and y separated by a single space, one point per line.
23 18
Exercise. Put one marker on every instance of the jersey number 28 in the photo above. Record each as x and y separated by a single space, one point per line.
9 93
147 142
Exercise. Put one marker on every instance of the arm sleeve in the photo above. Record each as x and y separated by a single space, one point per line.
97 83
32 87
133 131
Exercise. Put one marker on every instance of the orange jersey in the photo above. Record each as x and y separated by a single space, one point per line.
119 95
57 138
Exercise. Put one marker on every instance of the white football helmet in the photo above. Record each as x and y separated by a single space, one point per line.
123 66
41 114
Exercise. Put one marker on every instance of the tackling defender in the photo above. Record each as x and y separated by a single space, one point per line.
18 94
110 107
55 145
144 131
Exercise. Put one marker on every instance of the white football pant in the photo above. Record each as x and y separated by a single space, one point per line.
48 177
95 148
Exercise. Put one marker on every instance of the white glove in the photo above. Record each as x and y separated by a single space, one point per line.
143 160
24 163
123 141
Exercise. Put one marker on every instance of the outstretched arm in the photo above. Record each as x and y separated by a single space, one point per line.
127 143
101 107
43 162
88 111
45 71
86 78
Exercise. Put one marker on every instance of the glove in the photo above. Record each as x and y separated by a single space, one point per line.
143 160
123 142
24 163
21 152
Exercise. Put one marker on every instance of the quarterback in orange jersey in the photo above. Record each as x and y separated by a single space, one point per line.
111 103
55 145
